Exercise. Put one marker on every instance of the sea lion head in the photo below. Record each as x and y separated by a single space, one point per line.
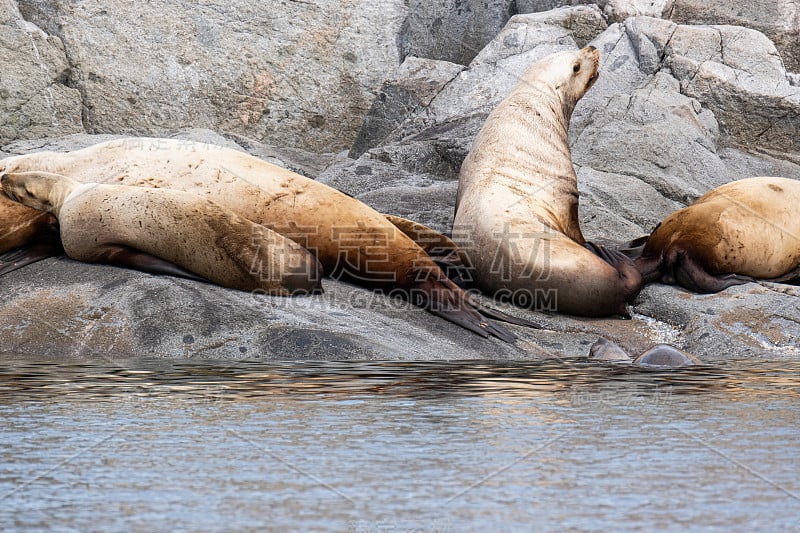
42 191
608 351
566 74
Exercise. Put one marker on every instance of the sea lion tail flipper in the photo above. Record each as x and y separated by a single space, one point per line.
20 257
126 257
503 317
445 299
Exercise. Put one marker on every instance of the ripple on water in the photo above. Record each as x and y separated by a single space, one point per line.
377 446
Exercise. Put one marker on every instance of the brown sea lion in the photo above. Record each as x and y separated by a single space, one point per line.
517 209
351 240
157 229
741 231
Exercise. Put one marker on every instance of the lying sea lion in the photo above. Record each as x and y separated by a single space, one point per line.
351 240
156 229
741 231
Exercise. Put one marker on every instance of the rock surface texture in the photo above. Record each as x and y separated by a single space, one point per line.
382 101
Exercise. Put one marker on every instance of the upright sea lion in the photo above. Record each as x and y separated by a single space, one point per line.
351 240
156 229
738 232
517 208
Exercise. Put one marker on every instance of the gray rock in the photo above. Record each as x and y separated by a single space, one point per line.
452 30
584 22
286 73
536 6
70 309
737 74
417 82
35 99
677 111
777 19
755 320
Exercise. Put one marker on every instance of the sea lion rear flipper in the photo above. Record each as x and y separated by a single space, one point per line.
20 257
503 317
634 248
688 273
436 244
458 306
125 257
476 323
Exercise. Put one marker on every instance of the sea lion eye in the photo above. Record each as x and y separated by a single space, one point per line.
576 67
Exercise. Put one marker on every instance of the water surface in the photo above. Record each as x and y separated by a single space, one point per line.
155 445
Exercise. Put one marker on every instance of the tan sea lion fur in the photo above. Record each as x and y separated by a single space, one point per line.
351 240
517 208
113 224
740 231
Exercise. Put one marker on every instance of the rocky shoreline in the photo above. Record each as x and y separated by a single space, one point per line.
679 108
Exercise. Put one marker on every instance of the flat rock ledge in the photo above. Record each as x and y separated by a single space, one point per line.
62 308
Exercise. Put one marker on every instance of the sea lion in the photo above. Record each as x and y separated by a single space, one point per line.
660 356
608 352
665 356
744 230
351 240
156 229
517 207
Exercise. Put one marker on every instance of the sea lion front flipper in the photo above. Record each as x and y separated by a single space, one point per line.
628 272
20 257
125 257
690 275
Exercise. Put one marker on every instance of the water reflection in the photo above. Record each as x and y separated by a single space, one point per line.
158 445
576 380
